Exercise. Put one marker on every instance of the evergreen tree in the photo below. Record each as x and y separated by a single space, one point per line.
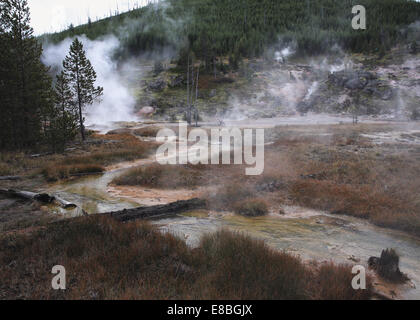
25 86
66 114
81 79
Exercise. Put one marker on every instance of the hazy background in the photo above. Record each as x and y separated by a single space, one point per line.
57 15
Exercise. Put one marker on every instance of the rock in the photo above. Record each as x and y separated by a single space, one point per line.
354 259
157 85
212 93
351 79
270 186
176 81
373 262
355 83
303 107
255 67
146 111
316 176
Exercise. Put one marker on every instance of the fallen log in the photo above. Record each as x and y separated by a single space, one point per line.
10 178
158 211
39 155
64 203
41 197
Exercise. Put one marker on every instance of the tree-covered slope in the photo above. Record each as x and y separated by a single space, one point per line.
245 28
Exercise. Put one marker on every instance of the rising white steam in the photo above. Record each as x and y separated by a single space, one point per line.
117 104
282 55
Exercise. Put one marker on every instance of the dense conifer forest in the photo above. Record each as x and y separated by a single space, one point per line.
245 28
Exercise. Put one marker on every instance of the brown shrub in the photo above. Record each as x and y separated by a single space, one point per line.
251 208
161 176
238 267
228 195
334 282
105 259
147 132
58 172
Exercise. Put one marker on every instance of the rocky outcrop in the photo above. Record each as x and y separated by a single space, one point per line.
177 81
353 80
146 112
157 85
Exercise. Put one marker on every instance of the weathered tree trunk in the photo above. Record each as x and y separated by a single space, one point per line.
158 211
10 178
64 203
41 197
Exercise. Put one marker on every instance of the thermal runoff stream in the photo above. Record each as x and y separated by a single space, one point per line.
310 234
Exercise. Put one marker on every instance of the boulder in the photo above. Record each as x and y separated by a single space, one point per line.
355 83
146 111
352 79
157 85
177 81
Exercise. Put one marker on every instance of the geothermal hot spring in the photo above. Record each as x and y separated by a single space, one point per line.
308 233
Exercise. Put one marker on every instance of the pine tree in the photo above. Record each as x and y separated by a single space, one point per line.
25 85
67 115
81 76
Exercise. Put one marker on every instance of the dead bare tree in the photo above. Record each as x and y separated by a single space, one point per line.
192 84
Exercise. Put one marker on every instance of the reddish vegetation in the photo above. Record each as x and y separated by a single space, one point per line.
335 170
105 259
113 149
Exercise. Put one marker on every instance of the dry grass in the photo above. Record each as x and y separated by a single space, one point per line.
121 148
229 196
335 275
251 208
330 168
99 151
179 176
163 177
344 173
59 172
150 132
105 259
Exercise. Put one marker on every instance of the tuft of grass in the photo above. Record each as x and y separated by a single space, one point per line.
228 195
150 132
251 208
339 279
238 267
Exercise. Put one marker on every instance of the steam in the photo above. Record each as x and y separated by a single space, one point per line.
117 103
312 89
282 55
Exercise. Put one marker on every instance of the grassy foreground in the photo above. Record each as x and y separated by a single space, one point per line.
105 259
